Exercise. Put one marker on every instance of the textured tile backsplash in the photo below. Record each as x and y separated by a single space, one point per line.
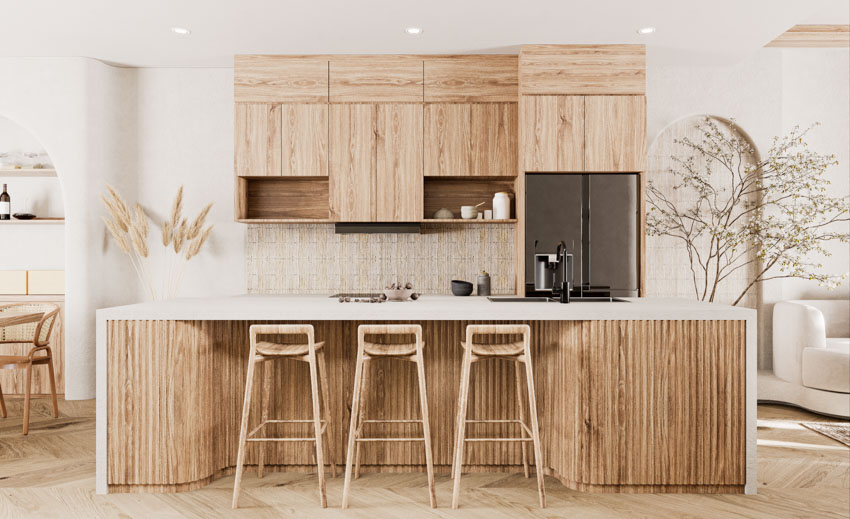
312 259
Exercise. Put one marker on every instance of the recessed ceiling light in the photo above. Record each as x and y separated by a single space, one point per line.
646 30
414 31
182 31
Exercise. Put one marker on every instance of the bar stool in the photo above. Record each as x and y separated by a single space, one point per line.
261 352
367 351
519 352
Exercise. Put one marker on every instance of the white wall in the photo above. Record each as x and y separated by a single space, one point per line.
69 105
185 136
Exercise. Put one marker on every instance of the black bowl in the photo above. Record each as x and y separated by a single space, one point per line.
23 216
461 288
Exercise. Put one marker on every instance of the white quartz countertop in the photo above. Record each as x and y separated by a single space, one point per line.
442 308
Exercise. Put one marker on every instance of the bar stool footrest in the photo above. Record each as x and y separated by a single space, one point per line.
306 439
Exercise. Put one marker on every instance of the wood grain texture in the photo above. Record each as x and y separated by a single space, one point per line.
463 139
484 78
615 133
352 162
376 79
813 36
304 140
810 479
399 178
286 197
280 79
624 406
452 193
257 147
582 69
553 130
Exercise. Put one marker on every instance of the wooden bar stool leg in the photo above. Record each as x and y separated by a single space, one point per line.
243 428
317 424
331 432
264 406
464 375
535 429
352 428
27 391
361 415
2 404
52 384
461 425
426 427
518 369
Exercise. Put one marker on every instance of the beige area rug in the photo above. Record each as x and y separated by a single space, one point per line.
837 431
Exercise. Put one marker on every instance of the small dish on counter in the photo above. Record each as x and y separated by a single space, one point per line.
24 216
398 294
461 288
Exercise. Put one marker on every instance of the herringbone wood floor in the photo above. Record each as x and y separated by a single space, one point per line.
50 473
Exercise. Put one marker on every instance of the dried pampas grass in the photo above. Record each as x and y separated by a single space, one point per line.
181 241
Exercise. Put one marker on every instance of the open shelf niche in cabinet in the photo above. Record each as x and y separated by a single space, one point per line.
453 192
282 200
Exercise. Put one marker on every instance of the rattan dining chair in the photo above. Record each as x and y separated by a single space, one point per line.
36 333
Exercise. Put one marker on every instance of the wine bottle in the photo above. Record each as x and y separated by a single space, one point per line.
5 205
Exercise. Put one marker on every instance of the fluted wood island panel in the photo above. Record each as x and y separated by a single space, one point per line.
624 405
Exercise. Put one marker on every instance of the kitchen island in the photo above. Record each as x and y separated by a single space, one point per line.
650 395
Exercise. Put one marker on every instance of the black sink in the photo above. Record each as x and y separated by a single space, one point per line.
555 300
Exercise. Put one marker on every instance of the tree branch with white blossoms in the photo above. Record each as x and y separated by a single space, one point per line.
772 216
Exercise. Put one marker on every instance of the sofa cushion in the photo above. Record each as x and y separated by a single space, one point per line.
828 368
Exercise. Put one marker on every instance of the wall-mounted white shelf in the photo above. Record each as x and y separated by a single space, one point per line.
34 221
25 173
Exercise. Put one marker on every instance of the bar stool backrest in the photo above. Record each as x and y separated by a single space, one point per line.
499 329
37 333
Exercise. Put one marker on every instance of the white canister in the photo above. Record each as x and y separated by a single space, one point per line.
501 206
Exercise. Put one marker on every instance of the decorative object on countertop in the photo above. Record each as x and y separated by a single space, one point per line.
23 216
488 214
461 288
398 292
501 206
483 284
182 241
735 211
444 214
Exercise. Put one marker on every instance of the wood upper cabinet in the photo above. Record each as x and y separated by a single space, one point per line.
470 139
582 70
399 179
375 79
552 133
352 162
615 133
280 79
257 146
471 79
304 138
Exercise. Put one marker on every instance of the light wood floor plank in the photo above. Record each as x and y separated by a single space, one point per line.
51 474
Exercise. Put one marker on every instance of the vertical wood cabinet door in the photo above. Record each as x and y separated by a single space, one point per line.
257 146
471 139
304 140
399 177
552 133
615 133
494 149
352 162
448 139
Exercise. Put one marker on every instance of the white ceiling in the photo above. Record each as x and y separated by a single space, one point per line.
137 33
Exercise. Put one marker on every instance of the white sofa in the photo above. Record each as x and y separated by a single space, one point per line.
811 356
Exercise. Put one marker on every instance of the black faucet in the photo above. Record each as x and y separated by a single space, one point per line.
565 262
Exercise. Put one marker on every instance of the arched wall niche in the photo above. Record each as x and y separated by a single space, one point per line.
668 270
